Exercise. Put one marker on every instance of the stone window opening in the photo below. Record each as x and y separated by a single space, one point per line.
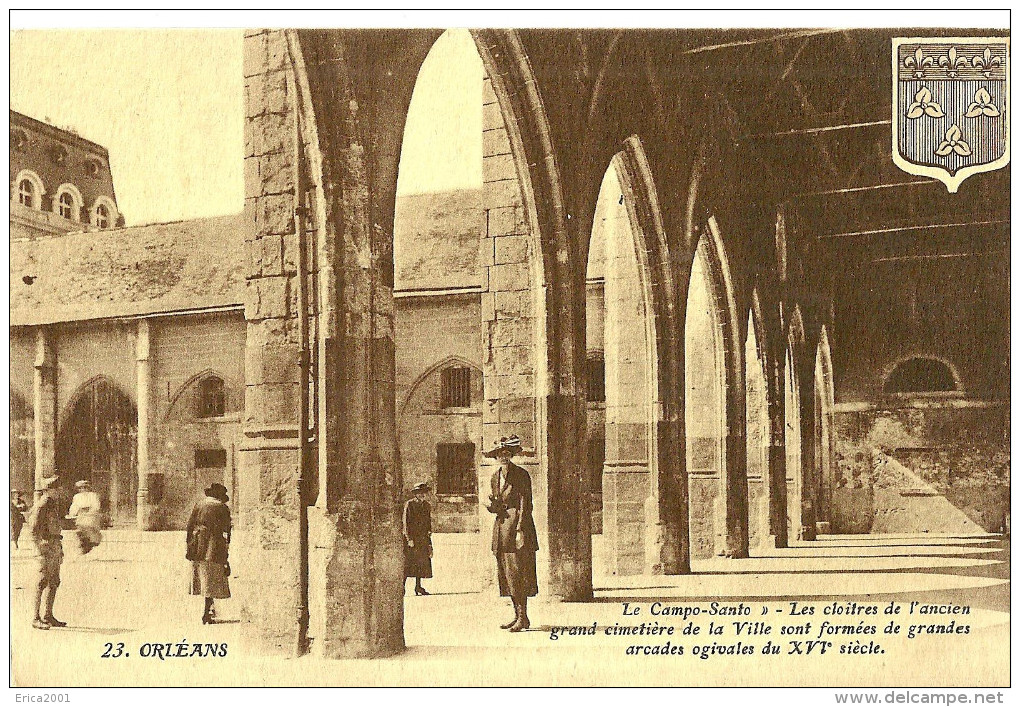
211 401
102 216
210 458
921 375
455 469
455 388
29 189
26 193
66 205
595 370
68 202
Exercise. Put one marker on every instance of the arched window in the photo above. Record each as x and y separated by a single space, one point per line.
66 205
27 188
103 213
68 202
921 375
26 193
210 401
102 218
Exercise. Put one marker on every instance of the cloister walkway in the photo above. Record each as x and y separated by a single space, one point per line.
132 590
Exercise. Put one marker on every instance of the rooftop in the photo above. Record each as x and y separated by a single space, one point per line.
166 267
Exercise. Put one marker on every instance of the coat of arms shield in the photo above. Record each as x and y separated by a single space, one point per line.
950 106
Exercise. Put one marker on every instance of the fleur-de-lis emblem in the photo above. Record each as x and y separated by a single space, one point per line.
952 62
924 105
953 142
982 105
918 62
985 62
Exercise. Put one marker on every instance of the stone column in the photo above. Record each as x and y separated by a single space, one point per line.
143 395
267 543
44 390
628 486
735 471
808 443
508 329
777 452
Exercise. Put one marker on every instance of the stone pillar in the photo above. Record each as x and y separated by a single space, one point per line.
508 328
628 486
777 452
44 391
267 538
808 444
144 399
523 306
735 468
759 485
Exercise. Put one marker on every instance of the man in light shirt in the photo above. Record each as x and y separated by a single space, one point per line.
85 511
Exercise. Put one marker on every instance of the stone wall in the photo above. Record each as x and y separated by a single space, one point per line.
942 468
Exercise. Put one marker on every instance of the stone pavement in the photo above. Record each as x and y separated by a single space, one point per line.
132 589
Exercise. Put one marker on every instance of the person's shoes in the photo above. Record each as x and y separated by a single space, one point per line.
509 623
208 619
55 622
518 626
40 624
420 591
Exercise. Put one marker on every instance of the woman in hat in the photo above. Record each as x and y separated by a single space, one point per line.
514 538
418 538
208 539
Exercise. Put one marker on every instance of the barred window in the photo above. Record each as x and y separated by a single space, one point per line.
456 387
456 469
210 399
210 458
596 370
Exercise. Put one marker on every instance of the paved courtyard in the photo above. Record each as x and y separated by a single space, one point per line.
132 589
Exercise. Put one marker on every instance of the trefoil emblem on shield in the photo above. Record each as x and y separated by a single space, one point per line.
950 106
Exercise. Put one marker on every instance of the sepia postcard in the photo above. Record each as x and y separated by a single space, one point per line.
348 351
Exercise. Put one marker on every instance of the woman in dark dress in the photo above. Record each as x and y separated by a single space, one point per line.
208 540
418 538
514 537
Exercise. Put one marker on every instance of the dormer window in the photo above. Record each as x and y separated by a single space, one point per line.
65 205
102 216
26 193
103 213
27 188
68 202
93 168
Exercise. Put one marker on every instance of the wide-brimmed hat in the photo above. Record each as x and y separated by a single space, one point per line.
420 486
217 491
48 482
510 444
82 484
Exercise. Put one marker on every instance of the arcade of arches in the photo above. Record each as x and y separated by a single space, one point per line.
722 431
716 314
